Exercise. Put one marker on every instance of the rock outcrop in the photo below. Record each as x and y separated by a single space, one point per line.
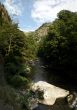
51 92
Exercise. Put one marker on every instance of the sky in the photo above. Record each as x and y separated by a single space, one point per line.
31 14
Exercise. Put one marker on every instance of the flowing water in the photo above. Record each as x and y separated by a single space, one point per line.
41 74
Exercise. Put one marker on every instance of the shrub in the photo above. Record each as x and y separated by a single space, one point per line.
19 81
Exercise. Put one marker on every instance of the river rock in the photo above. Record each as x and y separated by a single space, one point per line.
51 92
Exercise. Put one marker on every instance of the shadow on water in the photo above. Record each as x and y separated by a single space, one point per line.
44 74
57 78
61 80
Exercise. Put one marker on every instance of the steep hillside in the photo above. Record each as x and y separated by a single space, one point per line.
43 30
12 59
4 17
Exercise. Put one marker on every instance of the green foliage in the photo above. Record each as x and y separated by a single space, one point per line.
10 98
12 48
59 47
19 81
17 49
40 94
31 44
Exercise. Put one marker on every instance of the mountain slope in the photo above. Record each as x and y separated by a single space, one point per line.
4 17
43 30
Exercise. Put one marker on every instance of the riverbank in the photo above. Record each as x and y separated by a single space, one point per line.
54 93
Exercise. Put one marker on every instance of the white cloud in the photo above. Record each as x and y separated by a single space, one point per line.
10 1
46 10
12 7
27 29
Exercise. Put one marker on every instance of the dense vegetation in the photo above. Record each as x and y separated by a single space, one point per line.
55 43
16 50
59 46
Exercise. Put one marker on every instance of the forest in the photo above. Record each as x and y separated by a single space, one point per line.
59 46
55 43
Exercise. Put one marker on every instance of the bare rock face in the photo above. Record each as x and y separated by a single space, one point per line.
4 17
51 92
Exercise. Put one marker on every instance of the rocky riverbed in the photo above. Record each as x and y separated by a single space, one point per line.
54 96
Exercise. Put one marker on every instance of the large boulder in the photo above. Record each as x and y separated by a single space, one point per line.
51 92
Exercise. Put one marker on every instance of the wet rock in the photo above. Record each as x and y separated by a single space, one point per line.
72 100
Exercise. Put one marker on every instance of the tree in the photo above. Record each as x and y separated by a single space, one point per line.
59 48
16 49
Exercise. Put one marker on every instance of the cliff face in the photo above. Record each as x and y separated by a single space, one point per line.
43 30
4 17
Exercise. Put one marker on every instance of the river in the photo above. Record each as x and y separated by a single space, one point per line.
41 74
